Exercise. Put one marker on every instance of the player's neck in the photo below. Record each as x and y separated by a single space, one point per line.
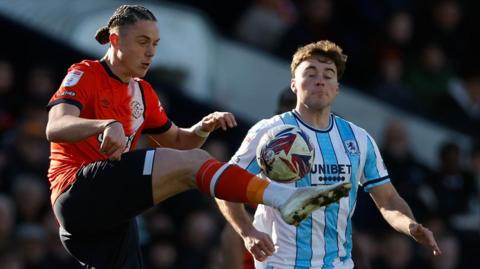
116 68
316 118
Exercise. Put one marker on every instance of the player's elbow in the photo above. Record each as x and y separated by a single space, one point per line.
51 134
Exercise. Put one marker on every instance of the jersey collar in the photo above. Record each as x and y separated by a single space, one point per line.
109 71
326 130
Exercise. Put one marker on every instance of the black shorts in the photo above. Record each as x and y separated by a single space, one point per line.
97 213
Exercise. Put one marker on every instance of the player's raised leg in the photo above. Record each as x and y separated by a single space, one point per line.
174 171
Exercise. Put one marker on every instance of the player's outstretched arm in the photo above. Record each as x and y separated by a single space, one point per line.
399 215
195 136
258 243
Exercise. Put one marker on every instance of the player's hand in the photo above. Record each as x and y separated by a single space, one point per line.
114 142
259 244
425 237
216 120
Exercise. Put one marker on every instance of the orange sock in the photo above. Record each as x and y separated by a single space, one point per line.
230 182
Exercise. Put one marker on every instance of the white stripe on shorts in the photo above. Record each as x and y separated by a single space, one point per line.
148 164
215 177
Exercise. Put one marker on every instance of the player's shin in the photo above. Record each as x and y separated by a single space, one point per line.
232 183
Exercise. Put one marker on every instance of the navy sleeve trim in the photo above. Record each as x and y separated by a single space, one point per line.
370 182
65 101
158 130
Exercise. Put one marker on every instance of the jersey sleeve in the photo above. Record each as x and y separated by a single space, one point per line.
156 121
75 89
245 156
374 172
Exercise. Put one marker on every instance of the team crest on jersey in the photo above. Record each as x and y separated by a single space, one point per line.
351 146
72 78
137 109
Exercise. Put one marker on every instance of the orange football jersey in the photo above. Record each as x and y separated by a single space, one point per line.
99 94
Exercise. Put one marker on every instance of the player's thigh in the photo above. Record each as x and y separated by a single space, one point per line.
106 194
174 171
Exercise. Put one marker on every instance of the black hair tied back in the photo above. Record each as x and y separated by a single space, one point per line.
103 35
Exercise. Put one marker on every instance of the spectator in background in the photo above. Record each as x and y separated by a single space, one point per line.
7 221
390 86
398 31
40 85
4 181
199 234
8 96
453 185
377 12
475 166
430 76
459 107
315 22
162 254
444 23
11 260
265 21
28 153
159 240
31 240
31 198
396 252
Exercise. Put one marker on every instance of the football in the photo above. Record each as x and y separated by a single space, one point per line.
285 153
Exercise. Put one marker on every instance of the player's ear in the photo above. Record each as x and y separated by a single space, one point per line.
292 86
114 38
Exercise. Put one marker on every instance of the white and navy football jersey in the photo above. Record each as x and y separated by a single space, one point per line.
344 152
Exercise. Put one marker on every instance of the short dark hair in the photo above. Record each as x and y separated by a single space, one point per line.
124 15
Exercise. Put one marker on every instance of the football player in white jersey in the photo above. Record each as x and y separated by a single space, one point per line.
344 153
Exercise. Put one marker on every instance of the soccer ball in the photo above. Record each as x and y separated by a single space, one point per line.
285 153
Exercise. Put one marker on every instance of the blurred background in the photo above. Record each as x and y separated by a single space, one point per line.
412 81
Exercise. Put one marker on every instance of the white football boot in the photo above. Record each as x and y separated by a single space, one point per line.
305 200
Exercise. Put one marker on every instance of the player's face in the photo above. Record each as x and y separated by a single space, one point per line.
315 83
137 46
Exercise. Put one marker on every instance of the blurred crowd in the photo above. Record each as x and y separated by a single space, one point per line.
420 56
416 55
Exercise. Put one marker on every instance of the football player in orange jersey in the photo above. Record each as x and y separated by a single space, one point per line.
100 183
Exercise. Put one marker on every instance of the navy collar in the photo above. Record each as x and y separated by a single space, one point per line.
109 71
326 130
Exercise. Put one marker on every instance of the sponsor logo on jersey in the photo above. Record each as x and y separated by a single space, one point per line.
67 93
330 173
72 78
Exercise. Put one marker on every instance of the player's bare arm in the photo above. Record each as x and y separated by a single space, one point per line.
195 136
258 243
65 125
399 215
